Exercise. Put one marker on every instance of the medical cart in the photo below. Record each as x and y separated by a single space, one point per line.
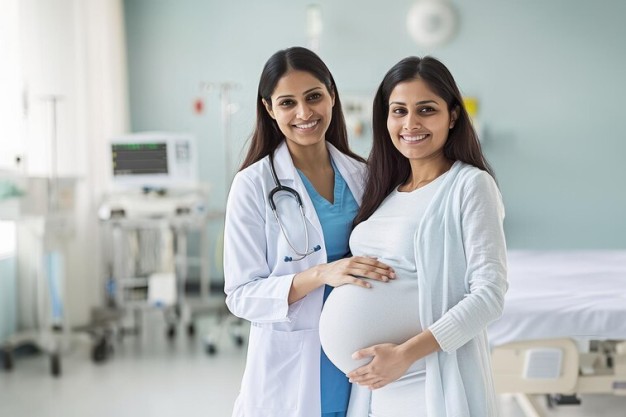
148 261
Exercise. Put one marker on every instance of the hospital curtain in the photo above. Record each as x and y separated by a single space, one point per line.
73 50
103 105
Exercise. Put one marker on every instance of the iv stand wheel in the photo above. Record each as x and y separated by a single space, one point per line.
171 332
211 349
55 365
101 351
7 358
210 345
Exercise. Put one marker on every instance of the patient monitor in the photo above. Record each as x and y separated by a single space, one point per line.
153 159
153 175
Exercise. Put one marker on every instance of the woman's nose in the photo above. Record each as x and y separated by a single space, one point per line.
304 112
412 122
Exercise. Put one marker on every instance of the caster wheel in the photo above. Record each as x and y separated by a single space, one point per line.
211 349
239 341
191 330
7 359
171 332
55 365
100 352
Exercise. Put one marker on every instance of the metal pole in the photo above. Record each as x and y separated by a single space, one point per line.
53 202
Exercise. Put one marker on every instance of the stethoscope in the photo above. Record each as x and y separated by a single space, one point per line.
296 196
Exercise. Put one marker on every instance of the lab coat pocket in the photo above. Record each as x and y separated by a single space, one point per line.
273 376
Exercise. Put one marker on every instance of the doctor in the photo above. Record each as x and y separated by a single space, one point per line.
288 219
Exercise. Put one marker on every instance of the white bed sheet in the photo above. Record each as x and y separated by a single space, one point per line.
554 294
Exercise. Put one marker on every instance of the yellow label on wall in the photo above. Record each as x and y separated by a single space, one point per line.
471 105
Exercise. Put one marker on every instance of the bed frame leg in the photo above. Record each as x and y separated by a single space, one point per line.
529 405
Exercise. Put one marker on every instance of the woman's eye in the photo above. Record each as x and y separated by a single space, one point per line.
426 110
398 111
314 96
285 103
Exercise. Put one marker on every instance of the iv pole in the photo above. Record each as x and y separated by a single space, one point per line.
314 26
53 198
227 110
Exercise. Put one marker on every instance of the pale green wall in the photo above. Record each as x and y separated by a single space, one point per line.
549 77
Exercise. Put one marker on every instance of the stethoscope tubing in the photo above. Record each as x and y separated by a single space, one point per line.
270 198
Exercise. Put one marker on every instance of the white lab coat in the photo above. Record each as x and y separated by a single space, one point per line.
282 375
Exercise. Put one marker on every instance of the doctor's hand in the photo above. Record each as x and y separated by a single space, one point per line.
388 364
353 271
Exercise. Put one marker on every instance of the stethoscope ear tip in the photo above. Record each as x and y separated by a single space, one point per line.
288 259
316 248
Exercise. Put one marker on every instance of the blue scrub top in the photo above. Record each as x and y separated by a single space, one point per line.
336 220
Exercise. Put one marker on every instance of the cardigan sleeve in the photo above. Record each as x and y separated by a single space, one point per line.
484 246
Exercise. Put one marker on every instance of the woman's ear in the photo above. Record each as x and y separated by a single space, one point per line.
454 114
332 95
268 107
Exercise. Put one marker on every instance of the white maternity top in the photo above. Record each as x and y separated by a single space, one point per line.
353 317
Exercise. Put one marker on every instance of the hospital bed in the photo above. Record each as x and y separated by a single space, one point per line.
563 329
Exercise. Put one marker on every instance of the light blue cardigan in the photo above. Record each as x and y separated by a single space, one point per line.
460 253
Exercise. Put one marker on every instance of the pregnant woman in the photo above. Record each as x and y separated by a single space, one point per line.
432 211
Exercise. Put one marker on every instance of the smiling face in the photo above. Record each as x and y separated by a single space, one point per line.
419 121
302 107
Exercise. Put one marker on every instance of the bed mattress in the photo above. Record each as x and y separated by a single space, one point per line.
554 294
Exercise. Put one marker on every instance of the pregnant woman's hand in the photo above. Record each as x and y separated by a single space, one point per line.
353 271
388 364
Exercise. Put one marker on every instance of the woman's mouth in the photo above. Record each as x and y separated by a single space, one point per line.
414 138
307 126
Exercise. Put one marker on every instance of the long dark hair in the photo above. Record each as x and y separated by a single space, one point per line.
388 168
267 135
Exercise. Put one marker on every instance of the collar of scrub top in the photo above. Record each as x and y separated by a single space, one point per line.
279 187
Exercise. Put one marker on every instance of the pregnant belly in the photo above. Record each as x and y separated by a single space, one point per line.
354 318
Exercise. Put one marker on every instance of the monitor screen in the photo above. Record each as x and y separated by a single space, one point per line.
139 158
153 159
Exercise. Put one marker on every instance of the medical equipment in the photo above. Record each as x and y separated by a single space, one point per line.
314 26
563 331
150 264
270 198
228 108
155 206
44 229
145 238
153 160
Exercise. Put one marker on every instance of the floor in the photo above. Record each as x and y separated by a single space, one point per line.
150 376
